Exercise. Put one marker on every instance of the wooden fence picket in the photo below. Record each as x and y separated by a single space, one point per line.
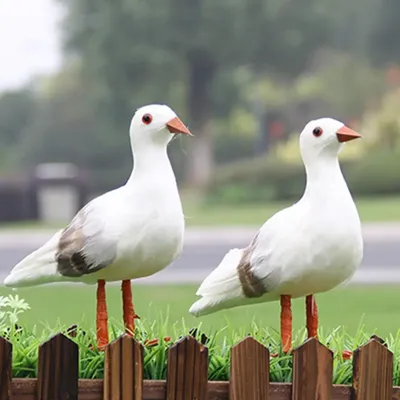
187 370
249 374
312 371
123 370
58 369
5 369
187 373
373 371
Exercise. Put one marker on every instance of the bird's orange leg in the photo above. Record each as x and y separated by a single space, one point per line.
101 316
311 317
128 310
312 322
286 323
130 315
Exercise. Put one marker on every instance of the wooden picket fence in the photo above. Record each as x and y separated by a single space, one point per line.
187 374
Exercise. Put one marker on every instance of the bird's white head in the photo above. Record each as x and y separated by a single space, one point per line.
155 125
324 138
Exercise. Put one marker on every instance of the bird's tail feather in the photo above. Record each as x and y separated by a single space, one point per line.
222 288
37 268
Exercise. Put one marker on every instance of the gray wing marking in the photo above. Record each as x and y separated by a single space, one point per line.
252 285
78 254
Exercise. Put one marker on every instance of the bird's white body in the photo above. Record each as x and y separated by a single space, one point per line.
308 248
146 220
139 227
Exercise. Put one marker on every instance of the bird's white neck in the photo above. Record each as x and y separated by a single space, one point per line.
325 179
152 165
327 196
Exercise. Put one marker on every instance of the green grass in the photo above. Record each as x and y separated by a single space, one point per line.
370 209
26 343
348 317
377 308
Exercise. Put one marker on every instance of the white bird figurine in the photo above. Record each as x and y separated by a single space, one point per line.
310 247
130 232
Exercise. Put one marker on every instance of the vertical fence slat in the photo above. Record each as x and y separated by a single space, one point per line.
123 370
5 369
373 371
312 371
249 376
58 369
187 370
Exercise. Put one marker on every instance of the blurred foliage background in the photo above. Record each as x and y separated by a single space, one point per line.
244 75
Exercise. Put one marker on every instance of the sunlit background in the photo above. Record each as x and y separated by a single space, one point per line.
245 76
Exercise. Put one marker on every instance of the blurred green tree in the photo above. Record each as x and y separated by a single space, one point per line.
138 51
17 110
383 45
65 129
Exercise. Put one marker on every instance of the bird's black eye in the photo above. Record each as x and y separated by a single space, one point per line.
147 118
317 131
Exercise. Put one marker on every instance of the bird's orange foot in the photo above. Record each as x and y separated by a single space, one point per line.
130 326
347 354
92 347
155 342
285 352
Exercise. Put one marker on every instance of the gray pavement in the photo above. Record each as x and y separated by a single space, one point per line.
205 247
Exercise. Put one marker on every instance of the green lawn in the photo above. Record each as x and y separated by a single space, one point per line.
378 308
370 209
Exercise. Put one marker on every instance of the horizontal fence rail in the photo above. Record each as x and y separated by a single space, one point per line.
187 373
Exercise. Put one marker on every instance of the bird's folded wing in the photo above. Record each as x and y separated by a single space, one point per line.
83 247
256 273
262 268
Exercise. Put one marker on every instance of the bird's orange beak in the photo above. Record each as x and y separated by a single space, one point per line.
344 134
175 125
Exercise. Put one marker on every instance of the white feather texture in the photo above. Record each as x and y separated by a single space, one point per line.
37 268
220 286
308 248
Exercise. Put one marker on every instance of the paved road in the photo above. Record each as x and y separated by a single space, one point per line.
204 248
